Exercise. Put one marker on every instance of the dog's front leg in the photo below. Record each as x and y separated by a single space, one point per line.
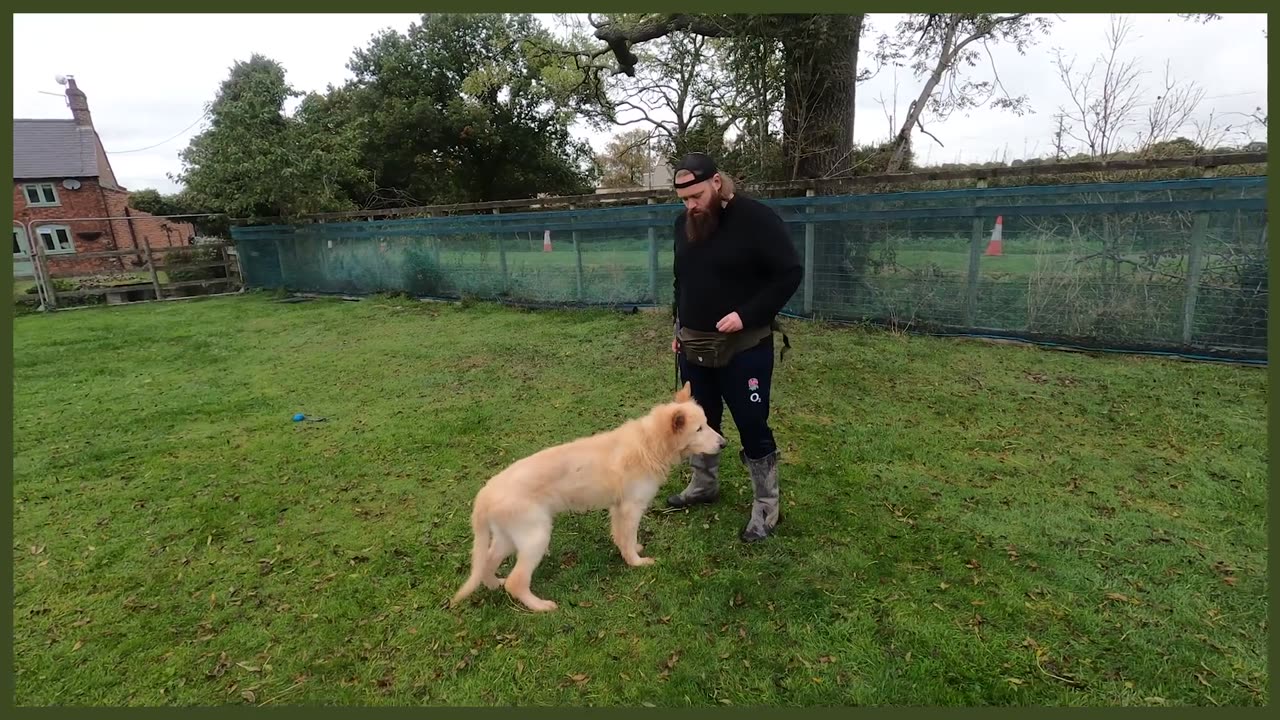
625 518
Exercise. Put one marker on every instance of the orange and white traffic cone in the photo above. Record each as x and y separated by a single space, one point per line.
996 245
546 241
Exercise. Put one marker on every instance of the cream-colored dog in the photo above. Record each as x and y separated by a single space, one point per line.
621 469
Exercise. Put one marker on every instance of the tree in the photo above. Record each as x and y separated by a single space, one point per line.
466 107
679 84
627 161
939 47
817 54
254 161
1104 97
1171 111
150 200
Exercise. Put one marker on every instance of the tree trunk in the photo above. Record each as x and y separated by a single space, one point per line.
916 109
821 71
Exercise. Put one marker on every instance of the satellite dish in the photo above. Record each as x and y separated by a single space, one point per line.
60 79
71 184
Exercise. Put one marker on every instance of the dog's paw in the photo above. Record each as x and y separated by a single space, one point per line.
639 548
641 561
493 583
543 606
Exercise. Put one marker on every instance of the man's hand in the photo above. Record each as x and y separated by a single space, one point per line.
675 345
730 323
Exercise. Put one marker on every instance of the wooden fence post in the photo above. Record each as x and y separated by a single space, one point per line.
577 256
1195 266
502 258
975 258
809 242
653 252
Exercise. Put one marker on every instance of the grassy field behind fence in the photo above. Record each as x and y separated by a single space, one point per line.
964 523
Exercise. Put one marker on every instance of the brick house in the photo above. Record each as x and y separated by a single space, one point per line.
61 175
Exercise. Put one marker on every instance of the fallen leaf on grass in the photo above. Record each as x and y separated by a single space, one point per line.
37 549
825 659
79 644
249 696
1015 681
668 665
221 667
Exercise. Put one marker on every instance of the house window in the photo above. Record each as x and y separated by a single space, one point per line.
56 239
41 194
19 247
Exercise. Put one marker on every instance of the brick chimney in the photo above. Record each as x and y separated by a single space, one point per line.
79 104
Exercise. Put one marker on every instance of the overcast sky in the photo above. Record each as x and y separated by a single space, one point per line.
147 96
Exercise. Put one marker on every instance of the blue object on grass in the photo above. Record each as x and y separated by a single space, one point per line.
299 417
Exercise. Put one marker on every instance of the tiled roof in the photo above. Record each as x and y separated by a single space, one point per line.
53 149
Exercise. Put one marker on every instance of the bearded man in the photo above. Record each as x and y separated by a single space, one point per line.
735 268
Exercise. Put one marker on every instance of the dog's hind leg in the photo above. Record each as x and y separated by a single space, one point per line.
500 548
531 538
480 549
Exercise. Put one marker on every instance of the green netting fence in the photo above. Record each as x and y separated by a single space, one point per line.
1176 265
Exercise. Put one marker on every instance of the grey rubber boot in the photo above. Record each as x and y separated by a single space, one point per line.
705 485
765 510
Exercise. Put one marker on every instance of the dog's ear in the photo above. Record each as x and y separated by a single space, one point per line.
678 420
684 394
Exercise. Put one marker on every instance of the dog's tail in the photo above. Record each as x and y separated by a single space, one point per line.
479 553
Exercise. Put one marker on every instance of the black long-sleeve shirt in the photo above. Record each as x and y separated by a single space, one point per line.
748 266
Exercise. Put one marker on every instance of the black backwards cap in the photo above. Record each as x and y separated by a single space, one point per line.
700 165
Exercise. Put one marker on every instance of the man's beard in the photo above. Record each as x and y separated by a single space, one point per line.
701 225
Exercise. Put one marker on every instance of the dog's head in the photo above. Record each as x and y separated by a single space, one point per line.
686 422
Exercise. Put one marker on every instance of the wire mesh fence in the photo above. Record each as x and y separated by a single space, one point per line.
1177 264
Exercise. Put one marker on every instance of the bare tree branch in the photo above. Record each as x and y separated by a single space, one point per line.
950 36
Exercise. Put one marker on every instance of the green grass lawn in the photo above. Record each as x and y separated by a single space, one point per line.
963 523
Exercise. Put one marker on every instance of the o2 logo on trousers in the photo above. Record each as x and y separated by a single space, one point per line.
753 385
